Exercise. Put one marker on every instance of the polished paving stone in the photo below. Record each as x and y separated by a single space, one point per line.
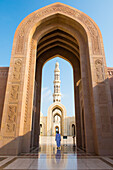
49 158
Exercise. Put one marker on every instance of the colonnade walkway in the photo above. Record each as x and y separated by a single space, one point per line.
49 158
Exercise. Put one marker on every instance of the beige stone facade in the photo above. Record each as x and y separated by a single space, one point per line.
57 30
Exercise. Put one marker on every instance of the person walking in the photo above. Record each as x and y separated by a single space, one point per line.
58 139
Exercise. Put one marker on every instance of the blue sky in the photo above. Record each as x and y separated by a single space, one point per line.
12 12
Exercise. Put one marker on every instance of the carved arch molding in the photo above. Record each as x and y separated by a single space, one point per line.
50 10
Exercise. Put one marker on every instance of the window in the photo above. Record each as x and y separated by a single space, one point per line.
56 76
56 89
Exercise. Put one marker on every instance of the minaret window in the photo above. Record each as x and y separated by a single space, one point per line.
56 76
56 89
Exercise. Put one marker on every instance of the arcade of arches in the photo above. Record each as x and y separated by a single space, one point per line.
56 30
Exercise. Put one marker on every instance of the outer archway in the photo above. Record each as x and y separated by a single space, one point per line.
88 63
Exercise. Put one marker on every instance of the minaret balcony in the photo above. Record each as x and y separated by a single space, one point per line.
57 81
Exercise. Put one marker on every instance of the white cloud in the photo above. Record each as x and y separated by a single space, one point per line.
46 94
44 88
63 95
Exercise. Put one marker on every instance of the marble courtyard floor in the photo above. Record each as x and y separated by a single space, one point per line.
49 158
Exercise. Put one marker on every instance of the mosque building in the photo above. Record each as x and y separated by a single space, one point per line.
56 30
57 119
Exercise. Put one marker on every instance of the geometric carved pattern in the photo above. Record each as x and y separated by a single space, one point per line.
99 70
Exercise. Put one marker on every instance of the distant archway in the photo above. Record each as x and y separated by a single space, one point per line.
53 110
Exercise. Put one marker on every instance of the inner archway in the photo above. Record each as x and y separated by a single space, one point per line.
58 43
56 117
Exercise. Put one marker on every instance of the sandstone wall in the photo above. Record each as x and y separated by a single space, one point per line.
70 122
3 82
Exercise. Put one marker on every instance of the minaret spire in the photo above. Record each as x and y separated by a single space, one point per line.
57 94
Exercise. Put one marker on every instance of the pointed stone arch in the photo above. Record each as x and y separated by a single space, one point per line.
21 85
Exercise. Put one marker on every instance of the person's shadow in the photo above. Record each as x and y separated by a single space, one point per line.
58 156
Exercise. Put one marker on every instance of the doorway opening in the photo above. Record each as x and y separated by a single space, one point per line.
56 129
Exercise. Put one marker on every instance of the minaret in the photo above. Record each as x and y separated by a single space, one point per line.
57 94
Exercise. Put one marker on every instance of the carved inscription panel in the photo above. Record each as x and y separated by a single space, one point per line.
11 119
14 93
13 99
17 70
99 70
